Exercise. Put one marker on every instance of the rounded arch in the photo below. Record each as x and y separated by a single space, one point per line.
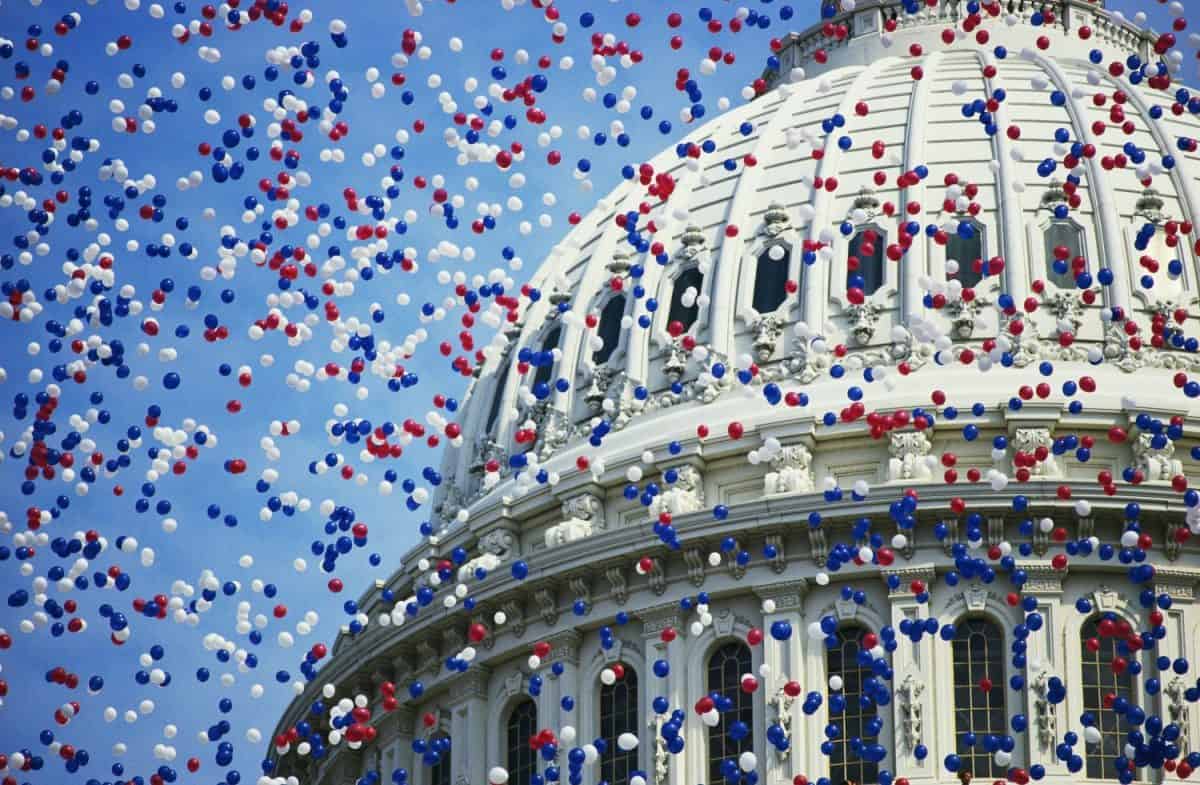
727 627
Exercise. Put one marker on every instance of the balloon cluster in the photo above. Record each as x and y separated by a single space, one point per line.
116 416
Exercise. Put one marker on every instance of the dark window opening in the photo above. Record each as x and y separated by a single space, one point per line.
770 282
609 329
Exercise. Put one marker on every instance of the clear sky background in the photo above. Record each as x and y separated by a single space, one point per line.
375 31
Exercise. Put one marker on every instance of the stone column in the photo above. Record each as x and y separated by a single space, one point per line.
914 706
654 621
1180 586
786 662
402 757
564 648
1045 657
469 726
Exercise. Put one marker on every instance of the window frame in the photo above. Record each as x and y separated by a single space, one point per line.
743 706
1046 272
1099 664
850 767
519 758
615 760
995 667
981 233
617 353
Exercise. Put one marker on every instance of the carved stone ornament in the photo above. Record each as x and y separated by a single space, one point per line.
964 315
597 388
866 202
619 265
1053 196
553 429
1178 711
685 495
781 702
1150 206
910 704
697 563
1172 545
1158 464
547 603
662 759
1027 441
618 584
767 330
582 514
1045 712
515 614
818 545
494 548
775 220
1065 306
908 450
676 360
778 560
791 472
692 243
863 319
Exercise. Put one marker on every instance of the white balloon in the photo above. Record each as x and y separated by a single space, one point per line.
627 742
711 718
836 683
747 761
498 775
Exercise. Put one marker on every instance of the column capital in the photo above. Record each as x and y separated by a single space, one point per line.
1179 585
472 684
657 618
1041 577
916 572
786 596
564 646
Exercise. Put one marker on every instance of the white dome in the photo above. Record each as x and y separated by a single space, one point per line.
826 159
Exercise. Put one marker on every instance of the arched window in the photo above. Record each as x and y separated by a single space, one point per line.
844 763
619 714
546 371
686 315
1067 235
966 247
726 667
770 279
609 329
978 653
497 396
439 773
521 760
864 262
1098 680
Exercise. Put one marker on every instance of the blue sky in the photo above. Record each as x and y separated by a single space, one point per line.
374 33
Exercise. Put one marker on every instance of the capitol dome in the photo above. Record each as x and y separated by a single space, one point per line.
890 221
